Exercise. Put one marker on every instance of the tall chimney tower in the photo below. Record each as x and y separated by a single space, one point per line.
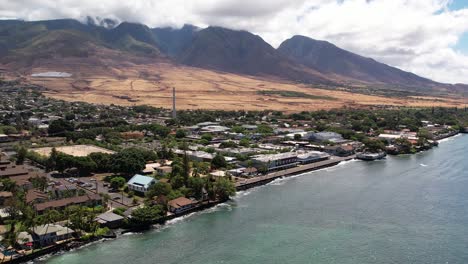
174 111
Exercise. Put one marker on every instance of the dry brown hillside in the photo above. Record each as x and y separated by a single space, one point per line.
140 82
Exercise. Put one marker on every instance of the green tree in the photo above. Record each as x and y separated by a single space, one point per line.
146 216
245 142
180 133
21 155
228 144
102 160
128 161
186 168
51 163
374 145
117 182
207 137
160 188
60 127
264 129
177 182
218 162
224 188
196 186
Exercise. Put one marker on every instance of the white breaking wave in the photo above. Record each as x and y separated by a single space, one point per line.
423 165
449 138
218 207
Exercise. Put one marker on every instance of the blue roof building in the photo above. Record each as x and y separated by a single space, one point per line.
140 183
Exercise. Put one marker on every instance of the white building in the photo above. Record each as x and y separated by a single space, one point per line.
140 183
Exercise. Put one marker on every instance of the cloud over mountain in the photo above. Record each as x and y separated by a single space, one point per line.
415 35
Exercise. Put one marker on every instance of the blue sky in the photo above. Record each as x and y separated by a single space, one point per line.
462 44
458 4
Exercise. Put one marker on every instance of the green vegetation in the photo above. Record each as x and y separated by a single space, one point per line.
295 94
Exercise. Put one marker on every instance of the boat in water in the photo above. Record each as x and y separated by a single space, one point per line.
371 156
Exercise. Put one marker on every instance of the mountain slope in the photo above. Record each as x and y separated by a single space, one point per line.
173 41
245 53
298 60
328 58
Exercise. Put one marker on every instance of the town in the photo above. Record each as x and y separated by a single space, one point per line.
73 172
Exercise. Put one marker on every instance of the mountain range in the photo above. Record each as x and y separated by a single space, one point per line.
299 59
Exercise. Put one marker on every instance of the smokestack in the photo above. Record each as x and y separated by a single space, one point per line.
174 111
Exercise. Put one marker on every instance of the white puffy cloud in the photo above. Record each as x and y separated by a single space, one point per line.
415 35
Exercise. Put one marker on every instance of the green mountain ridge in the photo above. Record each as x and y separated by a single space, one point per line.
299 59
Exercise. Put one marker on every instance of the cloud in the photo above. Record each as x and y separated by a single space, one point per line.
415 35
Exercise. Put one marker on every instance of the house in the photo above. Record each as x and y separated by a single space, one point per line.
5 197
34 196
132 135
7 213
163 170
140 183
324 136
25 240
150 168
218 174
341 150
49 234
4 138
64 190
110 220
312 156
195 155
251 171
214 129
12 171
180 205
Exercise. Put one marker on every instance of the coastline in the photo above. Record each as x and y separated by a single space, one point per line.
255 182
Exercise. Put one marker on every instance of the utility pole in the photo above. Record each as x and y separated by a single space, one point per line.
174 111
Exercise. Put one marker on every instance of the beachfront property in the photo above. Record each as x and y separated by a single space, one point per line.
49 234
271 162
110 220
181 205
25 240
391 136
312 156
246 172
140 183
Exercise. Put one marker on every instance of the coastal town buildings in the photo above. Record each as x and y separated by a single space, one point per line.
140 183
181 205
48 234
